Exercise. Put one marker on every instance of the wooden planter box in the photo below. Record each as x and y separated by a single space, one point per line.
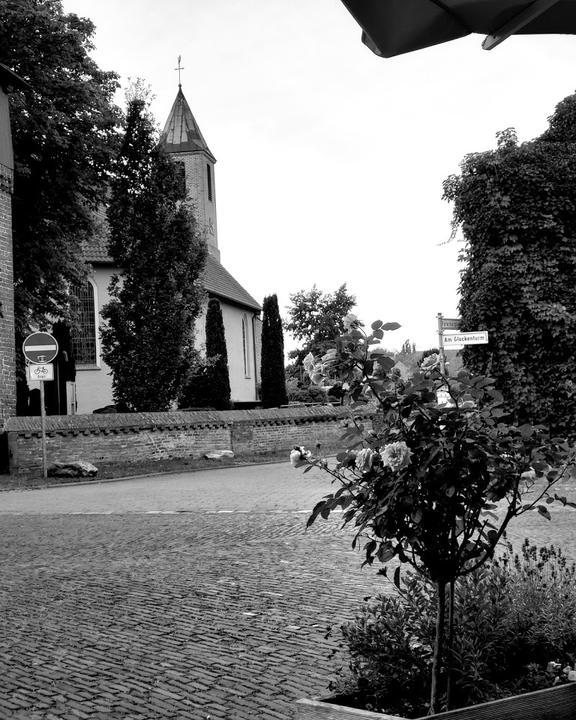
558 703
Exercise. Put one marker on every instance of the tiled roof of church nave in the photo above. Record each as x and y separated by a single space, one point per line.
217 280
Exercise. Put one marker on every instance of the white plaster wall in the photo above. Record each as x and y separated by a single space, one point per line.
242 388
94 384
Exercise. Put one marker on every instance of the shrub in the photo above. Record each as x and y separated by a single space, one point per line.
198 390
513 616
304 394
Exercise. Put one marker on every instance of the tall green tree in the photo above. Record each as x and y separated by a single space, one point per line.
217 356
64 128
515 205
148 341
316 318
273 375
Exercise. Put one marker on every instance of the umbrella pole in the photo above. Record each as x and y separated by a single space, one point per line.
517 23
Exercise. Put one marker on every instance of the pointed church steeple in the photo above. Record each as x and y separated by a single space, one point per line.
182 138
181 132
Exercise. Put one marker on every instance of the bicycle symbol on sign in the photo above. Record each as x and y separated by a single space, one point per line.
40 372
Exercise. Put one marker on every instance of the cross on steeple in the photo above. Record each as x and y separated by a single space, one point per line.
179 68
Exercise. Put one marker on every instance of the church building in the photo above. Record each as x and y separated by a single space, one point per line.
184 142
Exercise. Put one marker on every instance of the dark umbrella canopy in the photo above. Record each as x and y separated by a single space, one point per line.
394 27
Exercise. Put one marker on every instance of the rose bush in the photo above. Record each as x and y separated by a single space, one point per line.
433 486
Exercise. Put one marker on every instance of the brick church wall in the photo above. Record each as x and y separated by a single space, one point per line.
196 182
7 341
127 438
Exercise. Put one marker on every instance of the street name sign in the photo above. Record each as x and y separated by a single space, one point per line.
450 323
43 373
466 338
40 348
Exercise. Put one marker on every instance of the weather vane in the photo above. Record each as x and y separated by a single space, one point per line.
179 68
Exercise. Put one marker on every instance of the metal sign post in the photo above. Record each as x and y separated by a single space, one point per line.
40 349
441 343
43 431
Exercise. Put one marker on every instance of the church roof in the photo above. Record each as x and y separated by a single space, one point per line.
181 132
217 280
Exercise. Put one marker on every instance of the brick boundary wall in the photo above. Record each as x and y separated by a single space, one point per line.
126 438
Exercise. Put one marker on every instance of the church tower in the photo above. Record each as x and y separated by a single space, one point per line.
182 138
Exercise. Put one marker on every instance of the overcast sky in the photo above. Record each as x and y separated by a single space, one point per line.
330 159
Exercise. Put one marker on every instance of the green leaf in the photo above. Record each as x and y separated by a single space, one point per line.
397 577
385 553
417 516
377 324
543 510
391 326
370 547
315 513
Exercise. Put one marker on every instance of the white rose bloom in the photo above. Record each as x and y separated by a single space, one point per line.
430 362
299 457
350 321
396 455
365 459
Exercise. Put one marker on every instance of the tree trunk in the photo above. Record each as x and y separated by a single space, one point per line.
438 646
450 645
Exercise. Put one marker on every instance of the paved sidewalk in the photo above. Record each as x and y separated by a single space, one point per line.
196 596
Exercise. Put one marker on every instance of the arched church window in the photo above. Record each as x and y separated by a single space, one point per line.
181 175
209 181
83 335
246 346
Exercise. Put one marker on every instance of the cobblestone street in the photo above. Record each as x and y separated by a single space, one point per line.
216 610
183 596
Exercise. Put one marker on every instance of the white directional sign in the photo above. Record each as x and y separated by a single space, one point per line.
40 348
466 338
43 373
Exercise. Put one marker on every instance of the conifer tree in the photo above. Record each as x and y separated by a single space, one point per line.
272 363
217 356
148 340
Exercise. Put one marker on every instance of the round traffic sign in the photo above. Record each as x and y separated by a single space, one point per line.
40 348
